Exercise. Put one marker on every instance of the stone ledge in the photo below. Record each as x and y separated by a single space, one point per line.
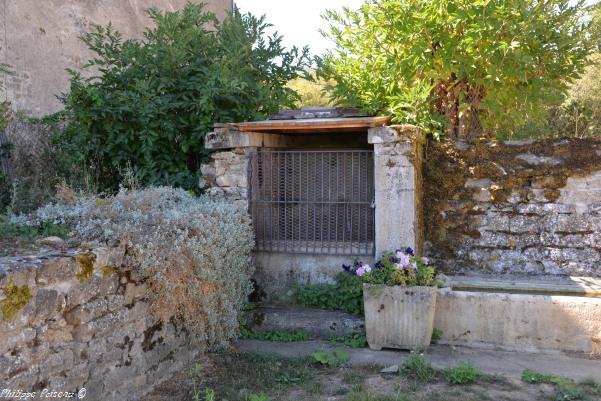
551 285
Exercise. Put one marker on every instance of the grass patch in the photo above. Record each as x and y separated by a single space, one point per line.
436 336
274 335
355 340
417 367
238 376
566 389
464 373
374 396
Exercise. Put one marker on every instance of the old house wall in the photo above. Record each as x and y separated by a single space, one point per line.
72 320
514 207
39 40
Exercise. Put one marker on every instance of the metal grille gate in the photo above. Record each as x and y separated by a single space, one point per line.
312 201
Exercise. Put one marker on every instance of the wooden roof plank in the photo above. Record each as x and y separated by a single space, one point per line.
312 125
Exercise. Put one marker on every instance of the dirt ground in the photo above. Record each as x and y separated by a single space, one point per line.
235 376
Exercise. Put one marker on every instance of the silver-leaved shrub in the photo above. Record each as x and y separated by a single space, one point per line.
195 253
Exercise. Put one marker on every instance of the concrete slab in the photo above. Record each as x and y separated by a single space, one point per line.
494 362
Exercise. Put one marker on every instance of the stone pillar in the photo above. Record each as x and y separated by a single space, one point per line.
398 153
226 172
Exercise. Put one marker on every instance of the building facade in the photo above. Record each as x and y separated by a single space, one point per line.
39 40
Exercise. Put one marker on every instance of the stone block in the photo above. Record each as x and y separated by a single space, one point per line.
394 134
536 160
15 339
232 180
228 138
46 302
522 321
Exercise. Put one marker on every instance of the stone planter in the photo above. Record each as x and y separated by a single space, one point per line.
399 317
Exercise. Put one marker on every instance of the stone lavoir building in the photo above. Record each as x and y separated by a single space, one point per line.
39 40
515 225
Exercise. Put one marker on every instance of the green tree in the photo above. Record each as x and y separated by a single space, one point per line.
311 90
150 102
465 66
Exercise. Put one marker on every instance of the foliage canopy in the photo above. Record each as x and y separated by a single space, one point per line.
150 102
461 65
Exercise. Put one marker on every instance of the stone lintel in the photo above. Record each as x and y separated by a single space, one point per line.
396 133
229 138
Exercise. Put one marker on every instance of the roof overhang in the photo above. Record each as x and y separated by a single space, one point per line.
310 126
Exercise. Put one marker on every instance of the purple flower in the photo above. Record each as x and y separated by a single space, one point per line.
414 266
363 269
398 254
409 251
404 260
346 268
426 260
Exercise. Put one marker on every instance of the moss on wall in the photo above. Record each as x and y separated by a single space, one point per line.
86 266
16 299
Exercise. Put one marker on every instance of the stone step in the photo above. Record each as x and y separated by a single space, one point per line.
318 323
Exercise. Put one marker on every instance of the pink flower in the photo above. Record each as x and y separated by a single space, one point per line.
426 260
360 271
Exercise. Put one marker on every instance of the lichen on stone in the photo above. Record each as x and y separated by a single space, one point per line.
107 271
86 264
16 299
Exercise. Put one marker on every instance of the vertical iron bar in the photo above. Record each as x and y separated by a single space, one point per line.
337 207
271 201
307 205
352 198
321 209
330 201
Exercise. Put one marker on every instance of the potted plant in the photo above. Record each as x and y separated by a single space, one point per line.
399 296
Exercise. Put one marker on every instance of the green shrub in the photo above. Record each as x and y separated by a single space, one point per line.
443 62
10 230
464 373
195 253
34 164
151 102
346 295
417 367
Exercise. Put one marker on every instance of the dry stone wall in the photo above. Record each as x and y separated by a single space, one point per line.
515 207
72 321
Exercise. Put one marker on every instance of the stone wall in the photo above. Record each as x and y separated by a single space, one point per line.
71 320
514 207
40 40
225 174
